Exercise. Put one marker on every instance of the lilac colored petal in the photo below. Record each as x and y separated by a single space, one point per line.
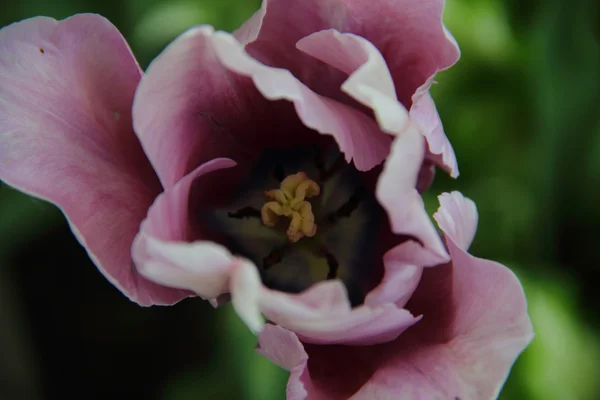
426 176
475 326
284 349
357 135
397 193
488 328
403 269
250 29
188 109
66 89
246 289
161 250
457 217
369 81
425 115
322 315
409 33
371 84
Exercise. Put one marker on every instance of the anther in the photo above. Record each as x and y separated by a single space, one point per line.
289 201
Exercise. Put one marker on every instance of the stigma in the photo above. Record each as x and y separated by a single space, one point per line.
290 201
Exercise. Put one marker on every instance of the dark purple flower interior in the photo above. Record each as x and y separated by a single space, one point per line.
352 230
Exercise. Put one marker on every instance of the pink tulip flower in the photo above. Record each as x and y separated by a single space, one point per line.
280 167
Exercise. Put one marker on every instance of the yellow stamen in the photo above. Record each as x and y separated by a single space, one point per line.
289 201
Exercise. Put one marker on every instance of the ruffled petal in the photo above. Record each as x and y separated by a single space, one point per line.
403 269
457 217
369 81
475 325
321 314
189 109
425 115
330 319
409 33
66 90
471 333
397 193
357 136
371 84
164 253
284 349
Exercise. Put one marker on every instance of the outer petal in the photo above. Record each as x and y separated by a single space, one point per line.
163 252
189 109
66 90
357 135
409 34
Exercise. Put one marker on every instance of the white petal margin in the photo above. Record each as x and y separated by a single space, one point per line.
162 254
321 315
397 193
246 290
424 113
371 84
457 217
358 137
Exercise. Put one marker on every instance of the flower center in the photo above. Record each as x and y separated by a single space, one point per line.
303 217
289 201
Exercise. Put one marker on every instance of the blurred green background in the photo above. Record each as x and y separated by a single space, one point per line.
522 109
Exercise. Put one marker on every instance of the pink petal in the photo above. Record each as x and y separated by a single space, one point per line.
425 115
409 33
457 217
188 109
284 349
475 325
357 135
371 84
163 251
403 269
250 29
324 323
484 328
66 90
246 288
322 314
397 193
369 81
